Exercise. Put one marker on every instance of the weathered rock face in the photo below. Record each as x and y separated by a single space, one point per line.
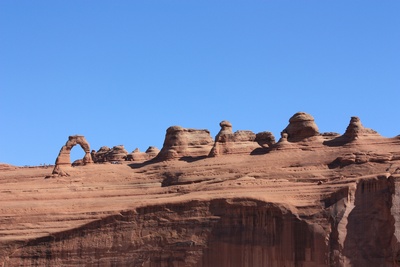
364 157
365 223
180 142
233 232
356 129
265 139
117 153
253 233
64 157
106 154
136 155
301 126
101 154
227 142
312 203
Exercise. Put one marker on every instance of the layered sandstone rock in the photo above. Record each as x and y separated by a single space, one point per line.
356 130
312 205
106 154
181 142
301 126
101 154
265 139
117 153
64 157
137 155
227 142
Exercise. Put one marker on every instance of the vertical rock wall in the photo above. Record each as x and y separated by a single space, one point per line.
217 233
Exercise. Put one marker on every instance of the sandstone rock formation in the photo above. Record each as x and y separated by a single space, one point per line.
311 205
180 142
64 157
101 154
301 126
117 153
106 154
265 139
356 129
136 155
227 142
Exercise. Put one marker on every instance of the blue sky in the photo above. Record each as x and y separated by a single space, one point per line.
122 72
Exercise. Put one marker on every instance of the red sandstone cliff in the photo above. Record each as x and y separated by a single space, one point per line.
318 200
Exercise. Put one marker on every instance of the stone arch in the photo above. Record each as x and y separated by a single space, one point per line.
64 157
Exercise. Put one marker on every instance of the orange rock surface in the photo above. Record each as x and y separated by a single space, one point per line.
325 200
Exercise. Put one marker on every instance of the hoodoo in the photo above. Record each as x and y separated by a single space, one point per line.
356 130
301 126
227 142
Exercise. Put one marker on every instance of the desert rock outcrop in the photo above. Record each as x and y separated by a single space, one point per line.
265 139
137 155
356 130
64 157
106 154
181 142
301 126
117 153
299 204
227 142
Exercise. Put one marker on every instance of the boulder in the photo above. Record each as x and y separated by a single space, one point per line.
227 142
181 142
301 126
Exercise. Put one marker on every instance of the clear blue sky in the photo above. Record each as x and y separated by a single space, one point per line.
122 72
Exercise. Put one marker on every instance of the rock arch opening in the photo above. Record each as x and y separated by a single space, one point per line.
64 157
77 154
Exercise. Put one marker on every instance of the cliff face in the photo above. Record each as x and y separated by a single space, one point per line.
236 232
231 232
357 228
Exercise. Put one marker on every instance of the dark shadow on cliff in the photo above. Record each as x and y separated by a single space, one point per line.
338 141
256 233
260 151
192 159
338 163
370 239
